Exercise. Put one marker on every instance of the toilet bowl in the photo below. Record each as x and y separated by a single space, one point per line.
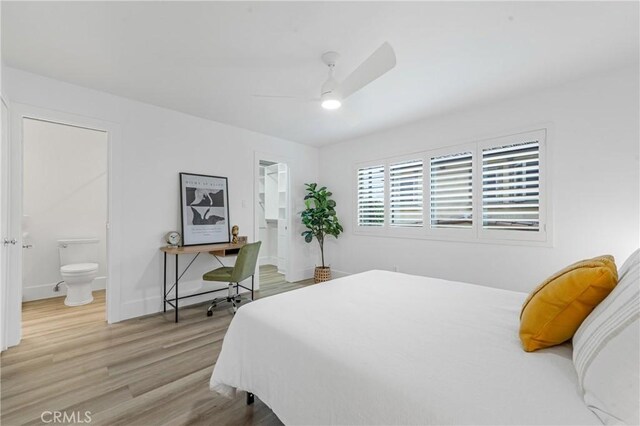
78 277
79 267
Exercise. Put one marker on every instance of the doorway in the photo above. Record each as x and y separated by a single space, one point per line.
13 119
272 208
63 227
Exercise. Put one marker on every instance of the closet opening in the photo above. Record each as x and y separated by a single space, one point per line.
273 223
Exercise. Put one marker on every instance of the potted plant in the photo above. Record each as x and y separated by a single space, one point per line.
320 219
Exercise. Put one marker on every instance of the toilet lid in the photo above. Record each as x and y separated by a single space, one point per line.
79 267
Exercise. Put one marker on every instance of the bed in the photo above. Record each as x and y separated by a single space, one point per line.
389 348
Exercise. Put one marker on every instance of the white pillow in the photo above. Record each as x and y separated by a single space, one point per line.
606 351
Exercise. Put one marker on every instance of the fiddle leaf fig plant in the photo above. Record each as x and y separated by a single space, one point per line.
319 216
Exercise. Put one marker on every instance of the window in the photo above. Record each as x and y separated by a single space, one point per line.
405 193
451 195
494 189
371 196
511 187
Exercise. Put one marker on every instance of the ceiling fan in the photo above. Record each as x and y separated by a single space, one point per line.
332 92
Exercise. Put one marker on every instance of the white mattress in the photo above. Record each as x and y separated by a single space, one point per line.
388 348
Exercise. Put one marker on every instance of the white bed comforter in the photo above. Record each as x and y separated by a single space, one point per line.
389 348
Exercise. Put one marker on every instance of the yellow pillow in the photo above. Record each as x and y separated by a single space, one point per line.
555 309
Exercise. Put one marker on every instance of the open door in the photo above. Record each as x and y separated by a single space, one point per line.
5 240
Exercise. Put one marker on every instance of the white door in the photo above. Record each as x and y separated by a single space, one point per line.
12 227
5 239
10 238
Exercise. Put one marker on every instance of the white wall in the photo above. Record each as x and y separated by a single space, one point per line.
156 145
593 152
65 196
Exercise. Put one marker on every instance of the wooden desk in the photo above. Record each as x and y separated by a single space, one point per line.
226 249
215 249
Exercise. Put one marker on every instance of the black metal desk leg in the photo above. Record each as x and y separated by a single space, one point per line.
176 301
252 287
164 294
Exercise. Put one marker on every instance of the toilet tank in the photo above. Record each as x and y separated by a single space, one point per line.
79 250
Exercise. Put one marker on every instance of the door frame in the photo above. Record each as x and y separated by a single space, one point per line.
264 156
18 112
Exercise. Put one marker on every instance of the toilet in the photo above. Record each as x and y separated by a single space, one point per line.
78 268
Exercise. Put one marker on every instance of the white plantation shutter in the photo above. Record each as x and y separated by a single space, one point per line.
489 190
371 196
451 191
511 187
405 193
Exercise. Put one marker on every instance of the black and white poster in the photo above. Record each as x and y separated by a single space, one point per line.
204 201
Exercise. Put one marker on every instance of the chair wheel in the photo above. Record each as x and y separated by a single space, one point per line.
209 313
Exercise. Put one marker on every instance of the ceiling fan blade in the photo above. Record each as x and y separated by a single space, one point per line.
380 61
274 96
285 98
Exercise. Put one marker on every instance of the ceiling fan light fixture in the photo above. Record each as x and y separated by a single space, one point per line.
331 103
330 96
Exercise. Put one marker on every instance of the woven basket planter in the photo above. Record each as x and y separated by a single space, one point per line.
322 274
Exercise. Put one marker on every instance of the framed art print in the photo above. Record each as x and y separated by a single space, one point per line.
204 204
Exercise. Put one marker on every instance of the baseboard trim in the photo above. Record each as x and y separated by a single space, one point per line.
45 291
335 273
300 274
154 304
307 273
268 260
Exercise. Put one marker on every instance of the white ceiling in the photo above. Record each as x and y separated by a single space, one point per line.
207 59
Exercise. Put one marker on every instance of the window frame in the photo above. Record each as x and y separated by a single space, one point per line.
387 230
475 234
396 160
452 233
356 221
540 235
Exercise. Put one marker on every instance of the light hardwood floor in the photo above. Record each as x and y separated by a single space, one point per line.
144 371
